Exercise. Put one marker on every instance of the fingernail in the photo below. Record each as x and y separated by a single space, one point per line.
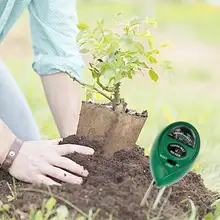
91 151
80 181
85 173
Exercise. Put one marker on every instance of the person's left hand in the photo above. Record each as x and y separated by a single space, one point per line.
38 161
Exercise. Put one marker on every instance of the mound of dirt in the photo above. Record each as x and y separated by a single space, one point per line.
116 186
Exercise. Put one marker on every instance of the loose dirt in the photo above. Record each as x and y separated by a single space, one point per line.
116 185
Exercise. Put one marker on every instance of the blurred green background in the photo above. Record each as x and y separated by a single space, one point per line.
191 92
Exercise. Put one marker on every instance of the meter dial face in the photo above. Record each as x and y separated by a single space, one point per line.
177 150
184 135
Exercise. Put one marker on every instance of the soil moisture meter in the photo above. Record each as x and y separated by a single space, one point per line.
172 155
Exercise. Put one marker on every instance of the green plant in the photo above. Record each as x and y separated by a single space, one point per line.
193 209
117 55
215 215
49 211
13 191
5 210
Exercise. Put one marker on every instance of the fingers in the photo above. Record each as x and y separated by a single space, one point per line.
63 176
70 165
53 141
46 181
57 141
69 149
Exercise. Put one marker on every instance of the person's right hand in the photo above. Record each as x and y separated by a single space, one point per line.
37 161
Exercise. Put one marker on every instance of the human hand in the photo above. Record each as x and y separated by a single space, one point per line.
37 161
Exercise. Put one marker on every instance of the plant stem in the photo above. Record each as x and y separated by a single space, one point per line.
97 90
103 87
116 99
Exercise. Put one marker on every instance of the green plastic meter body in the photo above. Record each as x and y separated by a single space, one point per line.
173 153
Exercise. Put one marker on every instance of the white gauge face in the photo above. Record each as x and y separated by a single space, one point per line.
184 135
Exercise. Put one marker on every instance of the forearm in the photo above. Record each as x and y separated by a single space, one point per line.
63 96
6 140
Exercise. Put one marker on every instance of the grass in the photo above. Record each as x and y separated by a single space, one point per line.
192 93
50 210
200 18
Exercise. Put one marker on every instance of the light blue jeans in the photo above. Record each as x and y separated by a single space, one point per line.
14 110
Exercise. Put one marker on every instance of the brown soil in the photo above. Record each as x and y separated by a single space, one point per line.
116 185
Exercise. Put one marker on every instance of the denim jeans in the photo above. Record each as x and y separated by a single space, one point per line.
14 110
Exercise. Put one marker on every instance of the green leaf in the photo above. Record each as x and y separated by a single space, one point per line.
152 59
110 80
108 39
149 36
152 22
209 216
106 71
6 207
130 74
31 214
165 44
126 39
112 47
155 51
193 209
143 34
101 23
143 65
89 94
118 77
95 74
134 22
140 48
81 43
38 216
130 53
79 36
84 50
216 204
150 43
151 52
153 75
82 26
62 212
167 65
91 65
50 204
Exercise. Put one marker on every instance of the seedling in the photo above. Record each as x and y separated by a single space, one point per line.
118 55
173 154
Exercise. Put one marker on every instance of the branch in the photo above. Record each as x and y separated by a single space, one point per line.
103 87
97 90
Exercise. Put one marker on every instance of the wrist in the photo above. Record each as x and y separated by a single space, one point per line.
6 140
